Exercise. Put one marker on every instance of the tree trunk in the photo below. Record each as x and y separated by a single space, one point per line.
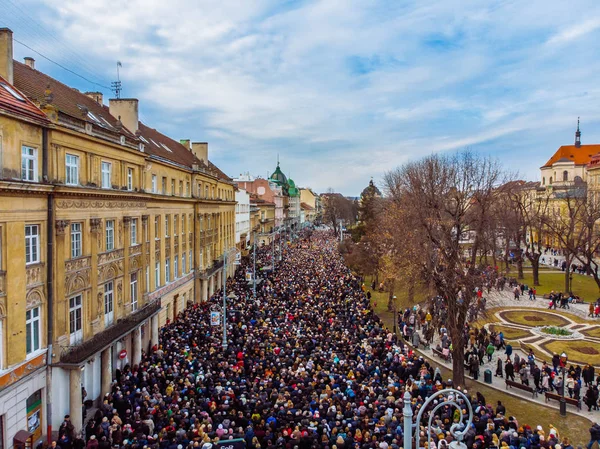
458 358
535 268
520 268
411 291
391 296
567 275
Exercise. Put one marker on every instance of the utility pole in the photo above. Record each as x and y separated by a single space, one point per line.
224 300
254 267
273 243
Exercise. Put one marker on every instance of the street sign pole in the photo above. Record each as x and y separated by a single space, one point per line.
254 267
224 300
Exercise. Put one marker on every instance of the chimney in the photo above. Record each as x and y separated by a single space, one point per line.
185 143
29 62
200 150
125 109
96 96
6 55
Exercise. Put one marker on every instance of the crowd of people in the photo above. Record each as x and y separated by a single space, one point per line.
308 365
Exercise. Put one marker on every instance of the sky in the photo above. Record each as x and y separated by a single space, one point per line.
339 90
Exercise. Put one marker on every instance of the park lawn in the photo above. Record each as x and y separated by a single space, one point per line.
579 351
510 333
593 332
553 280
533 318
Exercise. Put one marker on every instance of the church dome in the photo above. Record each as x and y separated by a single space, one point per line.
278 177
370 190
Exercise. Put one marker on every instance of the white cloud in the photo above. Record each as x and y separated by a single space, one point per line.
344 91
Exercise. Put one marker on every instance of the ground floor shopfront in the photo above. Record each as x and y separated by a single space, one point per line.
23 403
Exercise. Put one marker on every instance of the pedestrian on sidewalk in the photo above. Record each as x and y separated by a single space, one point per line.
499 368
490 351
510 370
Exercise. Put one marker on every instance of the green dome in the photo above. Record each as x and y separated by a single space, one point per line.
292 189
278 177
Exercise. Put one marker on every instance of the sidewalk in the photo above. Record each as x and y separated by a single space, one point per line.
504 300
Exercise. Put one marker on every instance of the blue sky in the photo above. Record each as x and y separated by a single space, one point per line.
341 90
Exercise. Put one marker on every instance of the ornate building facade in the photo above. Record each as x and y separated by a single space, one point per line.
108 229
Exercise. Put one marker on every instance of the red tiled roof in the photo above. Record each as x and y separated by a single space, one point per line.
67 100
580 156
24 108
156 144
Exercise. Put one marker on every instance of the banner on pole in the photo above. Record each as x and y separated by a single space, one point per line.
215 318
249 276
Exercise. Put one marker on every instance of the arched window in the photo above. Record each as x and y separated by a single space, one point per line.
565 175
544 181
550 180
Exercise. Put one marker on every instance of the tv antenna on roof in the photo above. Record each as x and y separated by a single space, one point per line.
116 85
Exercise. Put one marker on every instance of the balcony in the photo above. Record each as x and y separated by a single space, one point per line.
75 355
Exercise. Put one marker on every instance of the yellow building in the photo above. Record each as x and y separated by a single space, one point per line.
138 225
310 199
23 265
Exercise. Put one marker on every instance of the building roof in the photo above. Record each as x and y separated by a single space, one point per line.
278 177
579 155
16 102
306 206
370 190
157 144
38 86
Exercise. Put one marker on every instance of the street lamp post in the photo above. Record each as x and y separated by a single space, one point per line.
395 317
224 300
563 402
254 267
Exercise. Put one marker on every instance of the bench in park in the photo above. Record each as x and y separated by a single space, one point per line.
441 354
520 386
572 401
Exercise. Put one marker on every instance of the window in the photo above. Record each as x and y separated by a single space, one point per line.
75 323
154 184
147 278
157 227
32 244
565 175
190 260
29 164
544 181
172 187
108 303
187 188
176 267
167 270
167 218
133 290
130 179
110 235
72 169
13 92
32 329
176 225
75 240
156 275
133 231
182 224
550 180
183 265
164 185
180 188
206 192
106 175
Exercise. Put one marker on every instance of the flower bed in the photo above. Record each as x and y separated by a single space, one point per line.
556 331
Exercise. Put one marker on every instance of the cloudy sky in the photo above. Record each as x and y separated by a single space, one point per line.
342 90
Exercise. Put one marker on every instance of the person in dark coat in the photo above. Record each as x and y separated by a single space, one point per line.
499 368
510 370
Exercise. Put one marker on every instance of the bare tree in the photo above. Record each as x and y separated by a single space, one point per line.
566 223
441 198
336 208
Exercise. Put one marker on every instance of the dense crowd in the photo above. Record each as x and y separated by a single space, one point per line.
308 365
